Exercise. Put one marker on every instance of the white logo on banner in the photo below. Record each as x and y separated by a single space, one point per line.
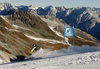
68 31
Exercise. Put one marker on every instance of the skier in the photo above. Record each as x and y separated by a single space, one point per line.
36 52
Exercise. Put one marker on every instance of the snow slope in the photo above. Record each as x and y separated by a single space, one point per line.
74 58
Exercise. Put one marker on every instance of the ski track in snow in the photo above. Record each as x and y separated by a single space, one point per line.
74 58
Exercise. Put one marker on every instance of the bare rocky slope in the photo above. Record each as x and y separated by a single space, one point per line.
85 18
20 29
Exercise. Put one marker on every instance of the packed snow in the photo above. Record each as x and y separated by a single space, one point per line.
84 57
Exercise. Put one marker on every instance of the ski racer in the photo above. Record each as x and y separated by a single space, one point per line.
36 52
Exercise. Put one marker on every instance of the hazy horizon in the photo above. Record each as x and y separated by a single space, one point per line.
66 3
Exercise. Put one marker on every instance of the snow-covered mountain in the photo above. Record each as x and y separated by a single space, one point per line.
21 27
19 30
4 7
85 18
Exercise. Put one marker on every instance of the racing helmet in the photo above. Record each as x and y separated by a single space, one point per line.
33 45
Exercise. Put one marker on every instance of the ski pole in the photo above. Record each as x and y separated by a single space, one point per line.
26 51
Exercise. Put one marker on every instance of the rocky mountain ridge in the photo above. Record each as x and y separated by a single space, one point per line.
20 29
85 18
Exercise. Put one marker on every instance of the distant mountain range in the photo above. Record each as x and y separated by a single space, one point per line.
21 26
85 18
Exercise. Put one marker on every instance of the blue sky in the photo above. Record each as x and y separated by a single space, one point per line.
67 3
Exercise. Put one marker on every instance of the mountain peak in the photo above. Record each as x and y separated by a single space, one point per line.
31 6
48 7
6 5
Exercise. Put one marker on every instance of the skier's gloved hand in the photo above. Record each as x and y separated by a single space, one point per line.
30 53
